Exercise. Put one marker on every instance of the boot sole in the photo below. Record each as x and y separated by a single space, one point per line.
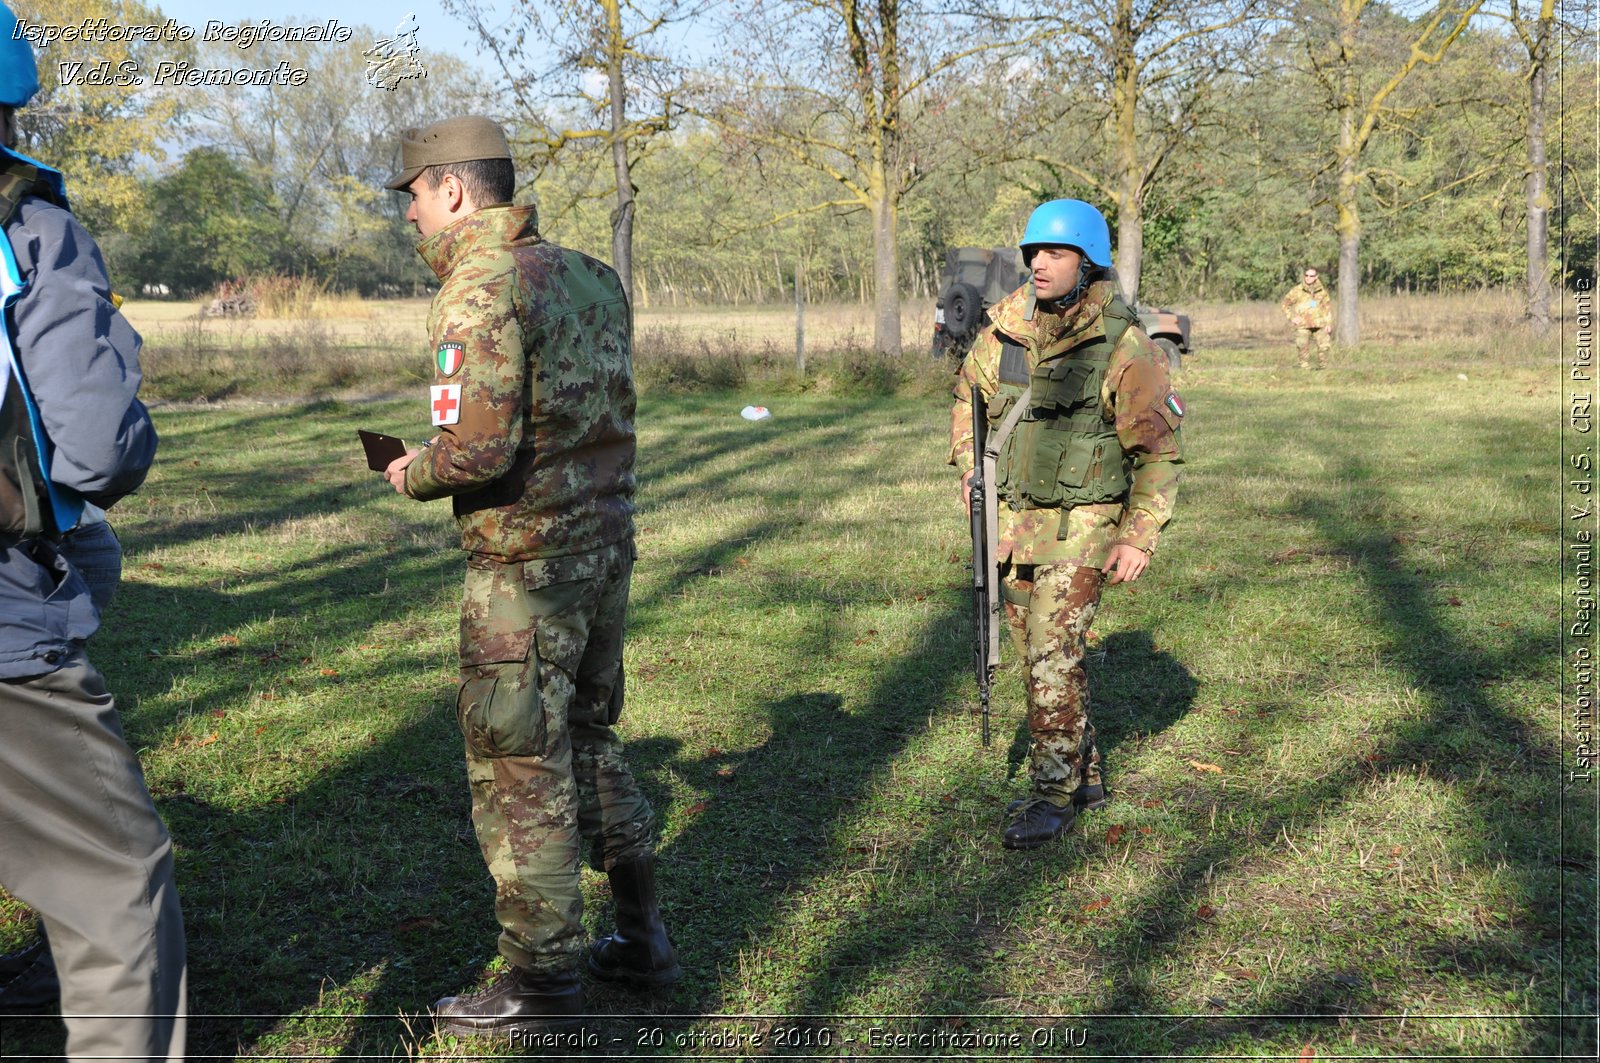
523 1026
1023 846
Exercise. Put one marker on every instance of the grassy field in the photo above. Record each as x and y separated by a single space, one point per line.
1329 715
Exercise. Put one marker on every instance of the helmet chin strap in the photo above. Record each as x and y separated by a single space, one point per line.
1071 298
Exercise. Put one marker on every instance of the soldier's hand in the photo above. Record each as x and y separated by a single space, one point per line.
1125 564
966 490
396 472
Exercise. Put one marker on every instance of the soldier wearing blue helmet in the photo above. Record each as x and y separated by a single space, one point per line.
82 842
1085 483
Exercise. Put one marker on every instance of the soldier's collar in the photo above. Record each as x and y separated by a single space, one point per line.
1075 321
445 249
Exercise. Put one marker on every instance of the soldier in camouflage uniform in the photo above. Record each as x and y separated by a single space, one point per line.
534 402
1086 483
1309 308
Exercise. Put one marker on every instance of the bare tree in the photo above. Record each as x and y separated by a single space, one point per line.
1156 63
325 149
842 87
1536 38
1340 54
603 63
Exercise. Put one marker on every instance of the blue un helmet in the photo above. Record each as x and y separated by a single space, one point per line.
19 76
1068 223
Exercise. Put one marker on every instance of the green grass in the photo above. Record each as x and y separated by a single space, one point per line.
1354 617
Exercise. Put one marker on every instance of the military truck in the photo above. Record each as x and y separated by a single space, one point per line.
975 278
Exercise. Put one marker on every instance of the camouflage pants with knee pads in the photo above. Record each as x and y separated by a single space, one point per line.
541 687
1049 609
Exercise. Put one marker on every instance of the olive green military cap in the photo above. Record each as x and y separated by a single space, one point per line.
452 140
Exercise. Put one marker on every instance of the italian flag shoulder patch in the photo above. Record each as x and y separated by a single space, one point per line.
449 358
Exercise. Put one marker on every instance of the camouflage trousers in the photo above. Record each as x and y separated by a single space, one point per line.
1302 346
1049 609
541 687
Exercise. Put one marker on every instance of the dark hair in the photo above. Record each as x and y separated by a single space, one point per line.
487 181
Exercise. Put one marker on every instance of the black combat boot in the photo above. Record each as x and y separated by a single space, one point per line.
638 952
523 1001
1037 822
1087 797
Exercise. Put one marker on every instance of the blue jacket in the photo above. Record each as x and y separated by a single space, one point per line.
81 360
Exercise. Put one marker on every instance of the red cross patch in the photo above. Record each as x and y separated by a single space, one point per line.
446 399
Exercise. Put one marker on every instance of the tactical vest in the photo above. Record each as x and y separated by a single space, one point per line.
1062 454
30 505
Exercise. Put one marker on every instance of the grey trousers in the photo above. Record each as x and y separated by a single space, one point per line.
82 843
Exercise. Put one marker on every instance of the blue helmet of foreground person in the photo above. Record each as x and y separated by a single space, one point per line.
1068 223
19 77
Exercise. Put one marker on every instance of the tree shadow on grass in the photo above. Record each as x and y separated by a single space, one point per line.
1468 739
770 835
1134 689
889 939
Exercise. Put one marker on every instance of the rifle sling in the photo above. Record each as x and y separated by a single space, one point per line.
991 454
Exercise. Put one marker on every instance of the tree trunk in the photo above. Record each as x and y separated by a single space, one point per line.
1130 252
1125 99
885 276
622 216
1347 329
799 321
1538 176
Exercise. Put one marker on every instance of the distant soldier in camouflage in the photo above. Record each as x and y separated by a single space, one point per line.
1309 308
534 402
1086 482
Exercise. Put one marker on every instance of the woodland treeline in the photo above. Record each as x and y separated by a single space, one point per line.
722 153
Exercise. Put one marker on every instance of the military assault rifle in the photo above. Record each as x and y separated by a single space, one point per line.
985 574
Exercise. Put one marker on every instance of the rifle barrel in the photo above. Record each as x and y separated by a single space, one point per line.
982 576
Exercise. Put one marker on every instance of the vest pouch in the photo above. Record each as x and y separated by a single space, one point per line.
1048 452
1110 473
1059 388
998 406
1077 459
1072 469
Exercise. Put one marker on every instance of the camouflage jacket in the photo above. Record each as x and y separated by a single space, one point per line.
1308 307
1134 397
532 394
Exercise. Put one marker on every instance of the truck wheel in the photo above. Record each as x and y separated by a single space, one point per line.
1174 354
963 309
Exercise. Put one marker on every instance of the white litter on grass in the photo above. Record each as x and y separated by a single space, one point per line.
1461 376
755 413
